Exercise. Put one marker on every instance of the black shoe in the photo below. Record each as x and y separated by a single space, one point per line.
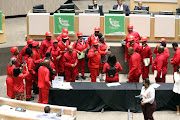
83 77
31 99
77 77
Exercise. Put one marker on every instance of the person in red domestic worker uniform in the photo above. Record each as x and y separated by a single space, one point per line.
134 65
45 44
175 61
94 36
132 44
136 35
112 62
160 65
32 76
15 52
94 55
9 78
56 54
36 54
23 51
59 38
70 63
146 58
63 47
81 46
44 82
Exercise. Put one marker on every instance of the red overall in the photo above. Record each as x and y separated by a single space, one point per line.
18 64
176 60
136 35
91 38
103 47
45 44
23 53
136 49
59 38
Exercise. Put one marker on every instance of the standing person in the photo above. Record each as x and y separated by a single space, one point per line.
93 37
134 65
175 61
148 102
36 55
112 68
136 35
121 6
15 52
45 44
70 63
94 55
81 46
160 65
59 38
18 82
44 82
9 78
23 51
146 58
132 44
176 88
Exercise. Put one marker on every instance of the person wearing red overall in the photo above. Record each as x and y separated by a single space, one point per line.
134 65
70 63
146 55
175 61
56 54
23 53
81 46
18 82
32 76
36 55
112 62
44 82
93 37
94 55
9 78
160 64
132 44
136 35
59 38
45 44
15 52
63 47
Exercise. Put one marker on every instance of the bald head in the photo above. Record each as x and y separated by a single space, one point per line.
46 62
140 4
160 49
130 50
70 49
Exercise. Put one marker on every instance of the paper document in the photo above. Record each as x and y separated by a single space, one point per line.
146 61
56 84
66 86
155 85
113 84
155 74
81 56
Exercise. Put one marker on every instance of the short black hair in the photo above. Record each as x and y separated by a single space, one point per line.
48 54
16 71
47 109
174 44
30 46
147 81
163 43
100 35
28 51
112 60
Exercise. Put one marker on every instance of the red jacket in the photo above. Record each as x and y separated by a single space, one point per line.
136 49
91 38
45 44
10 70
135 65
36 56
166 50
55 52
81 47
160 64
146 53
62 46
136 35
17 64
31 66
94 59
23 53
70 59
59 38
44 77
103 46
176 59
116 77
18 82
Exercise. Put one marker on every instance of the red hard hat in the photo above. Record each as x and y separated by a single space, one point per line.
13 49
35 43
30 41
97 29
48 34
144 39
65 30
95 42
130 26
64 36
79 34
130 38
163 39
55 41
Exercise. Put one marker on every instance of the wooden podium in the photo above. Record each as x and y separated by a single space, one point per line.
3 34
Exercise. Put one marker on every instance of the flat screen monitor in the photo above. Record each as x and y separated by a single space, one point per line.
145 8
67 11
91 11
178 10
140 12
67 6
39 11
100 8
166 13
90 6
41 6
116 11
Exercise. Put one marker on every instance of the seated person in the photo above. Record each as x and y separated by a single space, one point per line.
95 5
121 6
141 7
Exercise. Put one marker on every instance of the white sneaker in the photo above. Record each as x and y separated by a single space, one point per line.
97 79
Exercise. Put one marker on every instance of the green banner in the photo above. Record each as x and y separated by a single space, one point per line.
114 24
0 21
64 20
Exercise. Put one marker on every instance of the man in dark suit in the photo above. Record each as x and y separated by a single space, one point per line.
121 6
141 7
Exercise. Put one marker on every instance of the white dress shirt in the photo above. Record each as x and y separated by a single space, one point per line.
148 94
120 7
176 88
